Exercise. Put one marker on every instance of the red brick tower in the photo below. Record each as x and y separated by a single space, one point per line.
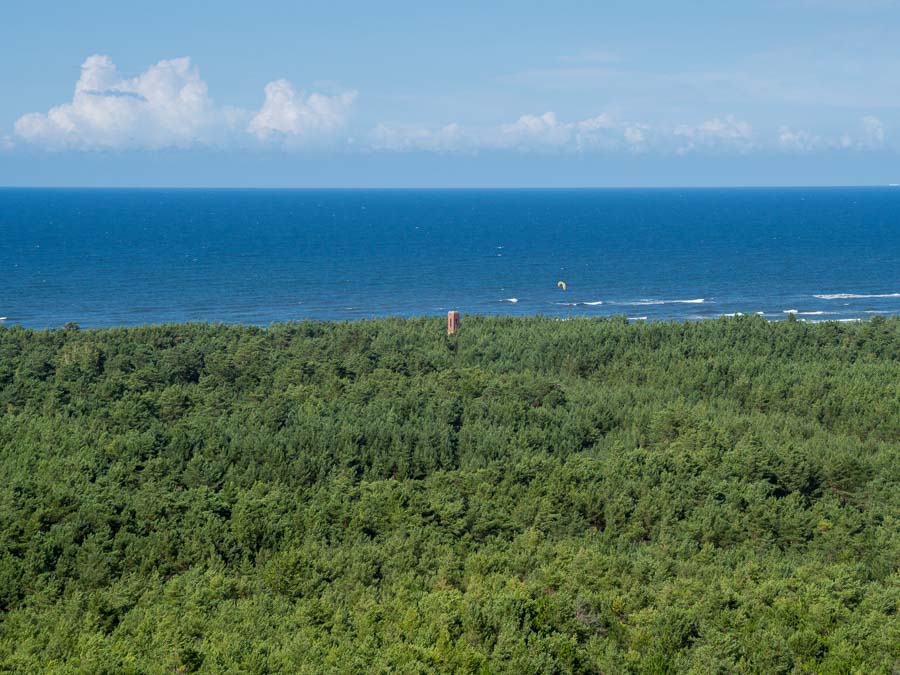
452 321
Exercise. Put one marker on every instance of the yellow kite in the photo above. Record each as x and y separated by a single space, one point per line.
561 284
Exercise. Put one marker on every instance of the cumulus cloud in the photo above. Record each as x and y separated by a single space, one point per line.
288 115
871 135
545 132
531 131
548 133
800 140
449 138
872 131
168 105
636 134
730 133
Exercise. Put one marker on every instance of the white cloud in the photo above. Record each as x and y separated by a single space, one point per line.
636 134
540 127
730 133
871 136
6 144
549 134
872 131
169 106
800 141
449 138
545 132
288 116
166 105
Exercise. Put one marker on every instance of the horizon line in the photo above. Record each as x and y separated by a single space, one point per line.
456 187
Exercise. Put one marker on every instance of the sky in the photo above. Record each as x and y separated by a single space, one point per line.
464 94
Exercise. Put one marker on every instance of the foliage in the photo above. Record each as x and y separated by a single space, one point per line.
528 495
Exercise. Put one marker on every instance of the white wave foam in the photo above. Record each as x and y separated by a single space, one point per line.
594 303
854 296
637 318
3 318
733 314
512 300
816 313
695 301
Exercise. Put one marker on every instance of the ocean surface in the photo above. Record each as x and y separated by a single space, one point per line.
125 257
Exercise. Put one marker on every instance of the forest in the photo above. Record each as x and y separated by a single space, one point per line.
529 495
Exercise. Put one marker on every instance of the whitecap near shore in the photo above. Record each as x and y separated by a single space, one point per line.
640 303
854 296
799 313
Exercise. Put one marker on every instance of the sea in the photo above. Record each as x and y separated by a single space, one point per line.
126 257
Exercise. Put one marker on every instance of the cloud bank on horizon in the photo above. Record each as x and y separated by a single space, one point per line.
168 105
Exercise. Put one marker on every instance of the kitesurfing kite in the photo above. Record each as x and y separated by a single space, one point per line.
561 284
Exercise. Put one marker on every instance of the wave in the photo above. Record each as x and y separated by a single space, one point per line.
3 318
637 318
799 313
854 296
733 314
631 303
695 301
512 300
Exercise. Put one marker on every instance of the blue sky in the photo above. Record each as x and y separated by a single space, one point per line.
344 94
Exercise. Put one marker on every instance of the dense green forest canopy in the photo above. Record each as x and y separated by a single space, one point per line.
528 495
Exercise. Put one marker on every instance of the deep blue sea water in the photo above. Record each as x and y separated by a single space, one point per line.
122 257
